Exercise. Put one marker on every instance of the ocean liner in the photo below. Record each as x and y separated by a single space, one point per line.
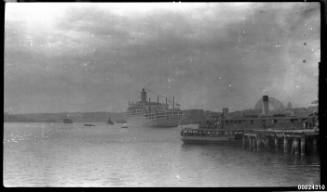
153 114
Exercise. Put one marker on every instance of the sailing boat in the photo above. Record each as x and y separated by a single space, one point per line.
110 121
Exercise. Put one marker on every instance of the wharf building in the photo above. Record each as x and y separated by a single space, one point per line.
277 129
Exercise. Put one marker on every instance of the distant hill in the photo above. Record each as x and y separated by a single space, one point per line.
191 116
16 118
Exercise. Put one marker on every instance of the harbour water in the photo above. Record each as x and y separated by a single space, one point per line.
73 155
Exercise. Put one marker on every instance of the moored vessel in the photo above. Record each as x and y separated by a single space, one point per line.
68 121
109 121
153 114
124 126
190 135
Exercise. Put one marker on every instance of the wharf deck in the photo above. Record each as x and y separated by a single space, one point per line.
282 132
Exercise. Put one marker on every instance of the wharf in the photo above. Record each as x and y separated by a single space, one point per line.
301 141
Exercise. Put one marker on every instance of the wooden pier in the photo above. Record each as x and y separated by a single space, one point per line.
269 131
288 141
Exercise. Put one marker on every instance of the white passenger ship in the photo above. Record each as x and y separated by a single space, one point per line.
153 114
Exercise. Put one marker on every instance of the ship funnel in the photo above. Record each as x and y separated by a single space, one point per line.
265 106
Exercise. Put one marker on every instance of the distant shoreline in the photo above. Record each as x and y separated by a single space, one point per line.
190 116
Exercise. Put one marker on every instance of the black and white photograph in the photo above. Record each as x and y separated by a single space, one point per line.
169 94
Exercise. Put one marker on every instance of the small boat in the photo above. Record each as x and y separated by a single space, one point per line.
121 121
110 122
89 125
124 126
66 120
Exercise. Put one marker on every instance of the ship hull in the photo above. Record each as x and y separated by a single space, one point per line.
207 139
166 121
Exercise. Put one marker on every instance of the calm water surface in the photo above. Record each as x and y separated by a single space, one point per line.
54 154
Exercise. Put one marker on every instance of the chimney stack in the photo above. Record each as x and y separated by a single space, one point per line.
143 95
225 111
265 109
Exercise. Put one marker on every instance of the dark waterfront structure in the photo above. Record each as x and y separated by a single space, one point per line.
289 141
265 131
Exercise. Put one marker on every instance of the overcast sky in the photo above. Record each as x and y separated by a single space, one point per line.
96 57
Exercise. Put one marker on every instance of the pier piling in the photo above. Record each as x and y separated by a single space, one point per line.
302 146
276 143
252 143
258 144
288 141
295 146
266 142
285 144
244 142
314 145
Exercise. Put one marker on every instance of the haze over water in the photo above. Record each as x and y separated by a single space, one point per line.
45 154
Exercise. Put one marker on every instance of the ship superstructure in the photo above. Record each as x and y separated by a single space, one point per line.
153 114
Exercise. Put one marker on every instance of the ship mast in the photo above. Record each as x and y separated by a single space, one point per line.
173 103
